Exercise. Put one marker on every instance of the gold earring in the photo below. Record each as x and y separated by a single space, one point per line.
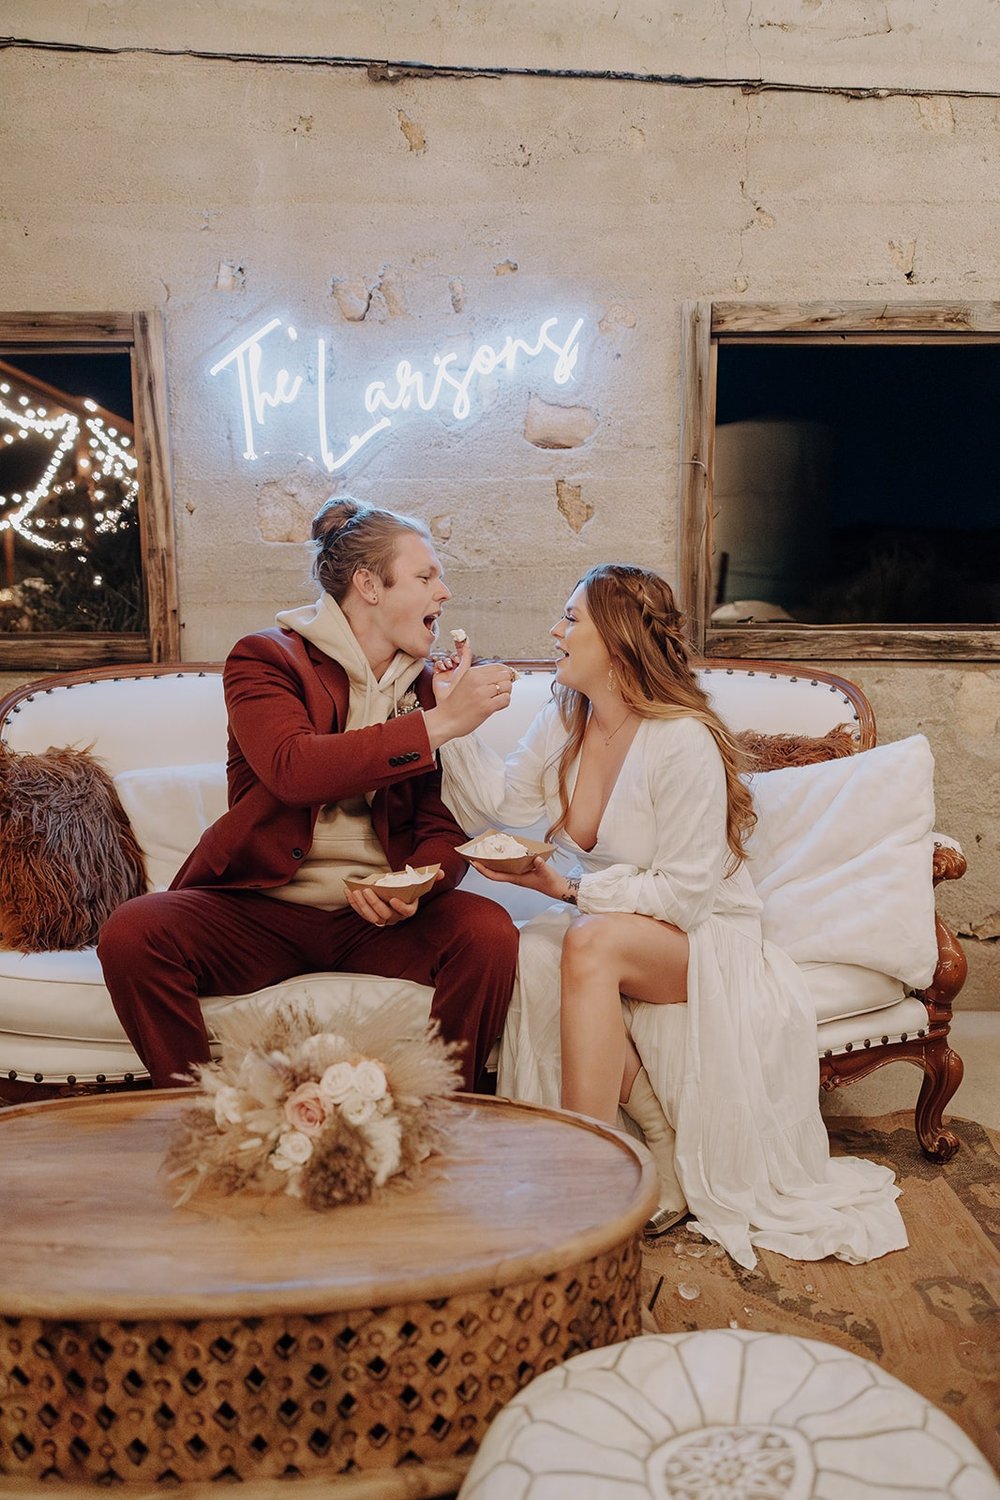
612 685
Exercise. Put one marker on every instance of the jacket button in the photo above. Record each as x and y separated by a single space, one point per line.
296 853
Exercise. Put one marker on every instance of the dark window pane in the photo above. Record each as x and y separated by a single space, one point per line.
858 484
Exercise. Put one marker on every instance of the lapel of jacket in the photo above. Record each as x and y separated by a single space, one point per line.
328 701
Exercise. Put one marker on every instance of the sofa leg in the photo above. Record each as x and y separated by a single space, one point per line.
943 1071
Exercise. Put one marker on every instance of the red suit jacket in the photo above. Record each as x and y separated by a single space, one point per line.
289 755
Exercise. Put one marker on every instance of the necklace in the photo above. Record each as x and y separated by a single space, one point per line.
607 738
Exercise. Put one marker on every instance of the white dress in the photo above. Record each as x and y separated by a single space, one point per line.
736 1067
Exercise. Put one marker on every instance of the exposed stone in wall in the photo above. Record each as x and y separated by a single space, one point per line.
457 290
505 267
353 298
285 508
902 255
441 528
987 930
415 138
617 316
357 299
936 113
550 426
230 277
569 499
388 292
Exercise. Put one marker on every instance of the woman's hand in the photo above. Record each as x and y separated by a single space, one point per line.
370 905
540 877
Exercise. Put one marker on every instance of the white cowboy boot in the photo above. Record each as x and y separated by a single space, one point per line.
644 1108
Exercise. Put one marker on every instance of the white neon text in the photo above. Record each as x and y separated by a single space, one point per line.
446 385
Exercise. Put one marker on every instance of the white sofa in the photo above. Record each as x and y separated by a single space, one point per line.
161 731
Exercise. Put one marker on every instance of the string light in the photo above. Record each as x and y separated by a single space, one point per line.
110 459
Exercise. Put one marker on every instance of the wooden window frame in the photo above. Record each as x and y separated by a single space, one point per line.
706 325
140 335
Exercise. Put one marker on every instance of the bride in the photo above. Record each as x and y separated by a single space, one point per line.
648 987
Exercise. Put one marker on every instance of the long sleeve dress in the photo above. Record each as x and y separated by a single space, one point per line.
735 1068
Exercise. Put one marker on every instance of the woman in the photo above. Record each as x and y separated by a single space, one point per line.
640 782
332 770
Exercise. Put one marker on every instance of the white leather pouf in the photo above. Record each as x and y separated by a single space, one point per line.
724 1414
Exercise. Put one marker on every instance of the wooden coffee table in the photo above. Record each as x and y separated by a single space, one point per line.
251 1338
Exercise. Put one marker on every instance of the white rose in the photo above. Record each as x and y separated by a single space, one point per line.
228 1106
356 1110
384 1134
337 1082
369 1079
292 1150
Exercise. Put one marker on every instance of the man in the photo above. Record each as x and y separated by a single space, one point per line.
332 774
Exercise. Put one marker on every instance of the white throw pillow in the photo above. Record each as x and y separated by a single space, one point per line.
842 857
169 808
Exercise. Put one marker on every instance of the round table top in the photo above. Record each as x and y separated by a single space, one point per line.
91 1227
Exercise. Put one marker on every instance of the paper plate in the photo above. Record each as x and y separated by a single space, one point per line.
516 864
426 875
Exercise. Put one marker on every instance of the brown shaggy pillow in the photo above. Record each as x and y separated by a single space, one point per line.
773 752
68 855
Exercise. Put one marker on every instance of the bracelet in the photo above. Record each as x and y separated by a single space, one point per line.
572 890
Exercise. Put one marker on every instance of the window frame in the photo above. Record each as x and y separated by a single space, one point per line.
705 326
141 336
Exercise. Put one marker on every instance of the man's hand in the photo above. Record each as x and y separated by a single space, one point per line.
465 696
369 904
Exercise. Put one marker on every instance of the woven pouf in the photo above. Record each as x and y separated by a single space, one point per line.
724 1415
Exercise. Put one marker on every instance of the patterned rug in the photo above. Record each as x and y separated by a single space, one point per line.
929 1315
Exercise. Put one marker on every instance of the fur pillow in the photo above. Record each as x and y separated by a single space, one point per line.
773 752
68 855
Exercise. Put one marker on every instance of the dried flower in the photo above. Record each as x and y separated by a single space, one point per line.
306 1109
292 1150
337 1082
369 1079
327 1116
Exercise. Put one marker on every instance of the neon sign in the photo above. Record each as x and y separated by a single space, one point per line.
444 386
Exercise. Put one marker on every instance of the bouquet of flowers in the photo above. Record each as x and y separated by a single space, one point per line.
325 1116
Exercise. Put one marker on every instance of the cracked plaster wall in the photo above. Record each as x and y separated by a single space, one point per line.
397 216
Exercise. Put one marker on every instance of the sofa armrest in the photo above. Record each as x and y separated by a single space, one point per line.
952 966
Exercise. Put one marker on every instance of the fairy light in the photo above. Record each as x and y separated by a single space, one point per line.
110 457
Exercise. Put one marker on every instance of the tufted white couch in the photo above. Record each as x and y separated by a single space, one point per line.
161 731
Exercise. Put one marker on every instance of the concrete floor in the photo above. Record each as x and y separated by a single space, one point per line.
975 1036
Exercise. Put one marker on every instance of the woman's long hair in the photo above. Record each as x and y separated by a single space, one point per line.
348 535
641 627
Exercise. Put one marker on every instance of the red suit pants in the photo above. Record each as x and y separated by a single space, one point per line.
162 951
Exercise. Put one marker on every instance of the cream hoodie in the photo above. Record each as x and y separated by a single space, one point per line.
344 842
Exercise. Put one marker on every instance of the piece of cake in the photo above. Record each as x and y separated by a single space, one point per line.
497 846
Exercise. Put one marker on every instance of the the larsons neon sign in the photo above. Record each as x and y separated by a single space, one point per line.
446 385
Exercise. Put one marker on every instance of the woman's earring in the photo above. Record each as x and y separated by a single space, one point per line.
612 685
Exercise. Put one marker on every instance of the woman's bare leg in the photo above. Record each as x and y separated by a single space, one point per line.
604 956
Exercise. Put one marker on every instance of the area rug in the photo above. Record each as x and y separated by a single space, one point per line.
930 1315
